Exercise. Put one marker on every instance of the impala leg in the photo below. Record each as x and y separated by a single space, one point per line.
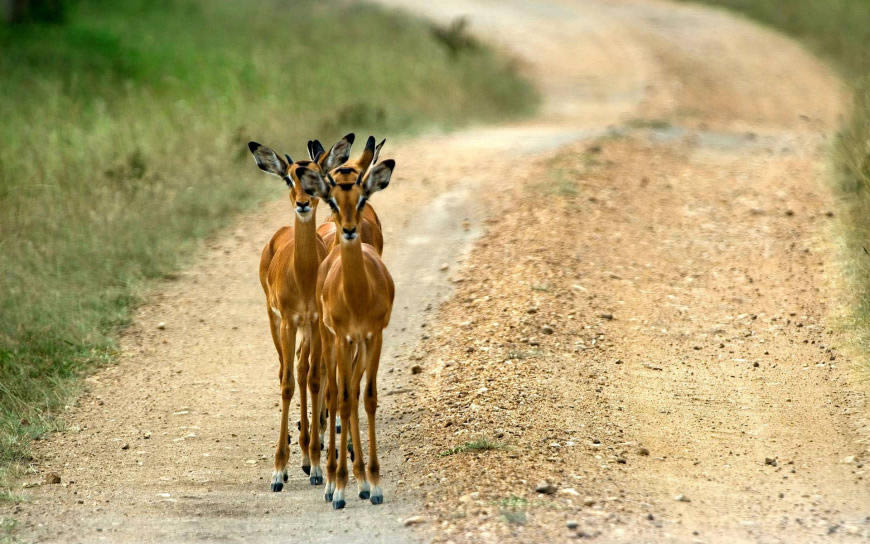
332 402
282 451
275 329
359 469
314 376
302 369
342 354
371 405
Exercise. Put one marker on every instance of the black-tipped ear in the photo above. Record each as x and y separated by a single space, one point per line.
289 160
378 151
267 160
317 149
338 155
378 177
312 182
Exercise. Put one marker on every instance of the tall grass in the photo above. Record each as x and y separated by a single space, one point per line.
123 137
839 31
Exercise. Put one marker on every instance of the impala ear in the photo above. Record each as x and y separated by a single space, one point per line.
378 151
269 161
312 182
368 155
315 150
378 177
338 155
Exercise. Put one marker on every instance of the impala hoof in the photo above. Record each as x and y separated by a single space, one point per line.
316 480
327 497
377 495
285 478
338 505
306 469
277 486
364 494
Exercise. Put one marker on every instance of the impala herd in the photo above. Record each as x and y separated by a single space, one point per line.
329 284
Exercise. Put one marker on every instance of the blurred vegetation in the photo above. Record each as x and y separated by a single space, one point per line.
123 141
839 31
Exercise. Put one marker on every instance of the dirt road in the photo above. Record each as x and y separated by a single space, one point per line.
689 206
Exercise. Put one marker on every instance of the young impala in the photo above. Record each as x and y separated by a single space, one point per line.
288 274
355 298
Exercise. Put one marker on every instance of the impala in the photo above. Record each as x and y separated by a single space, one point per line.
288 274
355 298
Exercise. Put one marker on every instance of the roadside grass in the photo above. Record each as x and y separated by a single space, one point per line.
480 444
123 143
838 31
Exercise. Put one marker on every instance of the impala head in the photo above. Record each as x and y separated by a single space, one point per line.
347 188
297 174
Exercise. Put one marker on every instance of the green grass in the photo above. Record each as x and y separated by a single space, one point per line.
481 444
123 137
838 31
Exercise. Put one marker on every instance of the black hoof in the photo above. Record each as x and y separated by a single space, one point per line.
338 505
306 469
298 425
285 477
322 446
316 480
377 499
277 486
364 494
327 497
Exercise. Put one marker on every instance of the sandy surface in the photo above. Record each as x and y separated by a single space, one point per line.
687 202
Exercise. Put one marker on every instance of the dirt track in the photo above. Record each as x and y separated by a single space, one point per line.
718 260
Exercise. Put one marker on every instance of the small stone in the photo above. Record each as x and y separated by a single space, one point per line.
789 213
571 524
547 329
416 369
621 461
588 501
125 446
52 478
161 325
643 452
444 266
608 317
682 498
849 459
147 435
546 488
650 517
414 520
532 310
771 461
569 491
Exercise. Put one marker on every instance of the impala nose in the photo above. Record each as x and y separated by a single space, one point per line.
349 234
302 207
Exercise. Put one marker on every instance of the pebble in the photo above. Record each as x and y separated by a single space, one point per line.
416 369
125 446
608 317
770 461
643 451
52 478
444 266
414 520
569 491
588 501
571 524
547 329
849 459
682 498
546 488
161 325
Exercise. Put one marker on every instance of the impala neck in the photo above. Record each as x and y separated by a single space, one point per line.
305 261
353 271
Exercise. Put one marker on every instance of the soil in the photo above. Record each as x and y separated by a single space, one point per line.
633 338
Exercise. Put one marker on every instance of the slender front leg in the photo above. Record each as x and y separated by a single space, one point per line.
371 404
282 451
314 375
302 369
342 353
359 469
332 402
